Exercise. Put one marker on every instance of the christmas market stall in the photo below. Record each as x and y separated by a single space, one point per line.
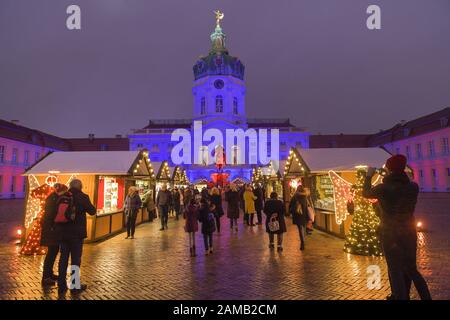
333 176
163 175
269 177
179 177
106 177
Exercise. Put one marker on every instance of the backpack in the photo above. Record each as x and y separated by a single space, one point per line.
211 222
65 210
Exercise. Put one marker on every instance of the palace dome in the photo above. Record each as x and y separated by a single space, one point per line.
218 61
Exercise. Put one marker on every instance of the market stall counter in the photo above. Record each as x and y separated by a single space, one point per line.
106 177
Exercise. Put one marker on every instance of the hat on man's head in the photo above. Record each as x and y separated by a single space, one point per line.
396 163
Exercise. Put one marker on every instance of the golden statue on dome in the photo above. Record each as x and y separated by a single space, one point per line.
219 16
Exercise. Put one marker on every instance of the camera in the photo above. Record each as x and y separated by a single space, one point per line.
381 171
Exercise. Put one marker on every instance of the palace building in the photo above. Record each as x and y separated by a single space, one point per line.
219 103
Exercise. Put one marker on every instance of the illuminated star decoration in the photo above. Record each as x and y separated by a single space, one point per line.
342 193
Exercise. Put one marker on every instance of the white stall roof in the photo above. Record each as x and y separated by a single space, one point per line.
342 159
86 162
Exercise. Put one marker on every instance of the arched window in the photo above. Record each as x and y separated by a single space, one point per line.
203 105
235 105
203 155
234 155
219 104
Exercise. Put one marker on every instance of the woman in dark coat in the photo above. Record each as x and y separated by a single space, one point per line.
132 205
274 210
191 226
49 237
259 202
208 225
232 197
298 207
216 200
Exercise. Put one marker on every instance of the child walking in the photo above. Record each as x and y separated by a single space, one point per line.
191 226
208 220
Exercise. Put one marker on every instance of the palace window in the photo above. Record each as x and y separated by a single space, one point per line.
37 156
445 148
14 155
203 105
408 153
2 154
234 155
219 104
203 155
26 157
431 150
419 151
13 184
235 105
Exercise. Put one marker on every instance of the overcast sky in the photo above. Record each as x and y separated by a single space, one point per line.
313 61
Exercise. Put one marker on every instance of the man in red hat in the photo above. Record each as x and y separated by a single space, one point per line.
397 198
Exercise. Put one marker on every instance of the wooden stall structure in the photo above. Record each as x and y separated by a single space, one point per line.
179 177
270 178
106 177
319 169
163 175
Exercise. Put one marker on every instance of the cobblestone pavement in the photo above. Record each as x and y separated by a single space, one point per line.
156 265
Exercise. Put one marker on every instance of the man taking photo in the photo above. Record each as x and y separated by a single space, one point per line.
397 198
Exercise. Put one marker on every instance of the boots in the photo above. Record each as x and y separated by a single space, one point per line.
192 250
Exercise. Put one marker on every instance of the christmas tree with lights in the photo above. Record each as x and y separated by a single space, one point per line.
362 238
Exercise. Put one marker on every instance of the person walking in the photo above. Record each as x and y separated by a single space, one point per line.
149 205
216 200
242 203
163 200
259 202
191 225
397 198
298 208
208 221
275 224
249 203
71 235
132 205
232 197
176 201
188 195
48 236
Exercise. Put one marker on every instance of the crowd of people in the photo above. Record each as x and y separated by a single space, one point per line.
206 206
64 221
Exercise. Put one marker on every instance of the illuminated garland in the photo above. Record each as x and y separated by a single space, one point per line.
342 194
32 243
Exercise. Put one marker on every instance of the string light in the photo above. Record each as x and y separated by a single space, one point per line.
362 237
342 194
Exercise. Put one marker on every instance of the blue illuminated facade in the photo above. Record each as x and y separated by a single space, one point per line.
219 102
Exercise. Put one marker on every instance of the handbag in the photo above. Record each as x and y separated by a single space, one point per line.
274 225
311 212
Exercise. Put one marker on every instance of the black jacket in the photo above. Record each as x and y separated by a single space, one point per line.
397 197
49 236
275 206
299 201
259 202
77 228
216 199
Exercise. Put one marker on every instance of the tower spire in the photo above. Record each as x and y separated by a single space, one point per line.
218 37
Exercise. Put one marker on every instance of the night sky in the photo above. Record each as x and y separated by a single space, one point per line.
313 61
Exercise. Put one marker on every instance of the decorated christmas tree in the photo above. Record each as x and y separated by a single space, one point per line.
363 238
